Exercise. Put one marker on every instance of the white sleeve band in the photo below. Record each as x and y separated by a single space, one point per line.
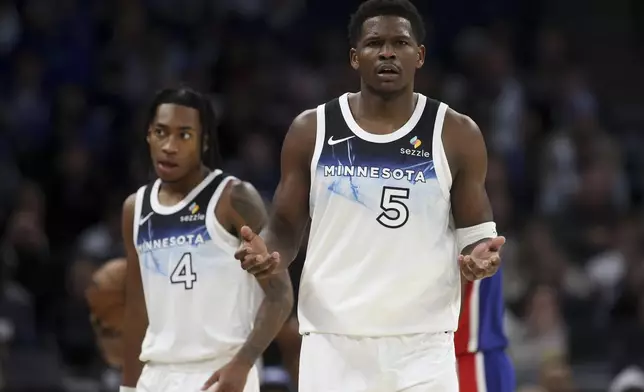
126 389
470 235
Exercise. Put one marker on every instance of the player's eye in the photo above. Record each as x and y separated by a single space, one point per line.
186 135
403 43
159 132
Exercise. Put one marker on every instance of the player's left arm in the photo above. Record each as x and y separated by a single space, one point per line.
476 233
247 209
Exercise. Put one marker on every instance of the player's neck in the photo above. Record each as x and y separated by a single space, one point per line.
396 108
183 186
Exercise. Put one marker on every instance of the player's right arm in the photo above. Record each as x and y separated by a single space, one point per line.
279 242
136 316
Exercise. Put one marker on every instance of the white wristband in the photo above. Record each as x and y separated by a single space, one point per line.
126 389
473 234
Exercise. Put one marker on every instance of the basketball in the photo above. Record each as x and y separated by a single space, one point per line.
106 295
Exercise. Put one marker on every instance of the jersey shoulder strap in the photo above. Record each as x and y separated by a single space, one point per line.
146 206
208 200
204 197
335 125
142 209
424 129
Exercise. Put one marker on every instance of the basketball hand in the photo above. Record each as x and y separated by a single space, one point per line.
254 255
483 261
230 378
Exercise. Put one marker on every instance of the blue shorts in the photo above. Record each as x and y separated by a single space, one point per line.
489 371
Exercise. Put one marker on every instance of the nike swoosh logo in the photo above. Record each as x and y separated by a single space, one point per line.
145 219
332 142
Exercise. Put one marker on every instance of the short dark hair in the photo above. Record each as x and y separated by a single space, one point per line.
372 8
185 96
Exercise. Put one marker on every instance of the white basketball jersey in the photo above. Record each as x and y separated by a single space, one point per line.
382 256
201 304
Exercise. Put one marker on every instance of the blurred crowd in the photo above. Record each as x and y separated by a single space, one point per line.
76 77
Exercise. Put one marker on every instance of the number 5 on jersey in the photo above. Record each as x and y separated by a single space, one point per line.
183 272
394 212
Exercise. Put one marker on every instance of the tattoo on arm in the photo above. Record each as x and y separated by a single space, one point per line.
271 316
248 209
248 205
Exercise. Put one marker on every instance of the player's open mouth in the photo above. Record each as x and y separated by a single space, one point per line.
166 166
387 72
387 69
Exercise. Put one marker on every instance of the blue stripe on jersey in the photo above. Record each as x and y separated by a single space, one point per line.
491 309
162 246
347 165
150 239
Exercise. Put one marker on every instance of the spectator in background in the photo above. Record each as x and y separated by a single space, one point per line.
556 375
628 380
627 319
541 333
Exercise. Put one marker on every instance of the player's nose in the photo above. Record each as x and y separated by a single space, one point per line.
387 52
171 146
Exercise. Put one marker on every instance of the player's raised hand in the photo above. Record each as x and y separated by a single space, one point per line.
254 256
483 261
230 378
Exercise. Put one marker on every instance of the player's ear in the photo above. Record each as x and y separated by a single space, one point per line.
147 134
421 56
353 58
205 143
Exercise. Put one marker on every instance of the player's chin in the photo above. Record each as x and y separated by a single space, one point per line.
388 87
170 176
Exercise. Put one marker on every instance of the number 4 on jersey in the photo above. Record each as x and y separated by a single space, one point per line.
394 212
183 272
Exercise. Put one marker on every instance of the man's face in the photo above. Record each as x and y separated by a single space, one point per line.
387 54
174 140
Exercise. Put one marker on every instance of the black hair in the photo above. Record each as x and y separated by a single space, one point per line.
185 96
372 8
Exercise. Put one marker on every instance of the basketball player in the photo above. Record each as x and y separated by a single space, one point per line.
394 183
480 341
190 310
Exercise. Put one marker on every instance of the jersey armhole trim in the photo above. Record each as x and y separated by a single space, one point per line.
218 233
317 152
441 165
138 206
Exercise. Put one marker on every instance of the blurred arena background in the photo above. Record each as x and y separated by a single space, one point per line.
556 86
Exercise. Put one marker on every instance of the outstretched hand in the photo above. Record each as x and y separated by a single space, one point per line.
254 256
483 261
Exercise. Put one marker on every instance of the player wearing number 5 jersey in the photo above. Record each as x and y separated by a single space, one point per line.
393 183
192 316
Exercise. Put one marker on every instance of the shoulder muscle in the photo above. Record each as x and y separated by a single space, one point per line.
464 145
245 205
299 142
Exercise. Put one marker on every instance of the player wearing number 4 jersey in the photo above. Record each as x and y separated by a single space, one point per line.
193 317
394 185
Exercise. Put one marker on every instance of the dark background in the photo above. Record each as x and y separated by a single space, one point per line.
556 87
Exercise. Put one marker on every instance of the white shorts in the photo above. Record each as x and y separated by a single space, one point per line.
408 363
157 377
